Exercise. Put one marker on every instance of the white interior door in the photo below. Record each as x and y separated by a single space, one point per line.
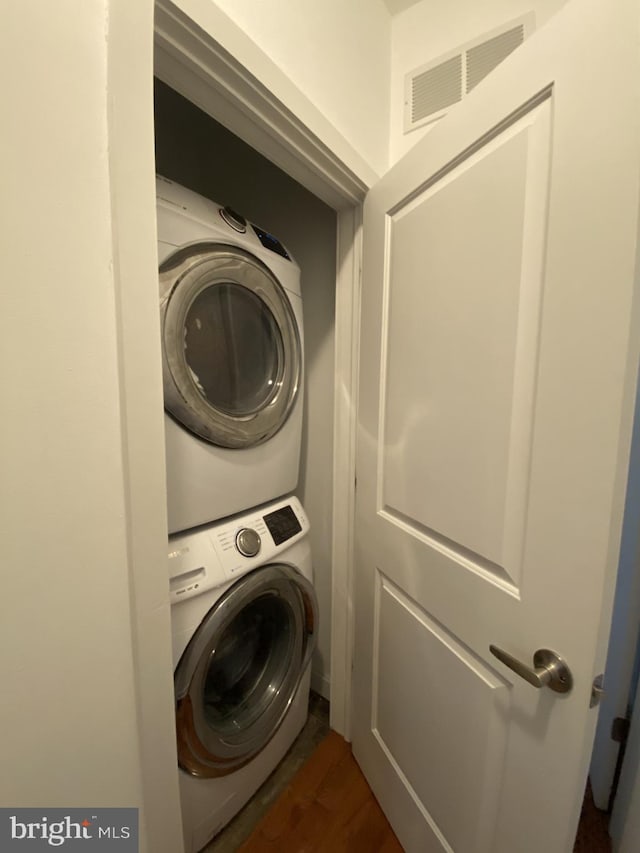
499 355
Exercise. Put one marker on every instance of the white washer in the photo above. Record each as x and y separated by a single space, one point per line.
231 315
244 623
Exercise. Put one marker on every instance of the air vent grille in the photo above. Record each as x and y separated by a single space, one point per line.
430 90
437 88
486 56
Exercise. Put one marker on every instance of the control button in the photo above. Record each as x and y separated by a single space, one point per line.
235 220
248 542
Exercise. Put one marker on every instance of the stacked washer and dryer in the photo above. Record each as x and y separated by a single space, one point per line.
244 611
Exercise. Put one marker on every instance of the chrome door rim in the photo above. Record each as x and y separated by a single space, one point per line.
201 751
184 275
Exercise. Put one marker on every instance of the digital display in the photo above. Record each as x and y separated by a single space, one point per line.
271 242
282 524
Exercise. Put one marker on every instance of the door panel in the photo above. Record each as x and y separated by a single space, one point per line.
461 336
498 364
453 711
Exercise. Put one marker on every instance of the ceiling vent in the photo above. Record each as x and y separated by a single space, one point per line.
429 91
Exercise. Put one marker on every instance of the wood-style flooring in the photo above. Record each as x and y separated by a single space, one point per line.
318 800
592 836
327 808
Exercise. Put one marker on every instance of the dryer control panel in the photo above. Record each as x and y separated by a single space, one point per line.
218 553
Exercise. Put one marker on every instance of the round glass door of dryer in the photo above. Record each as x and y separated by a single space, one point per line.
239 674
232 357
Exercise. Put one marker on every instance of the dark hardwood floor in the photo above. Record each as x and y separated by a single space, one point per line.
592 834
327 807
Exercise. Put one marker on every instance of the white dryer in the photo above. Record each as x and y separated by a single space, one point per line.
231 325
244 623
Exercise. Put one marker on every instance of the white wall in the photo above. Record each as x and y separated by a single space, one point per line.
625 820
68 704
432 27
69 708
623 641
194 150
334 52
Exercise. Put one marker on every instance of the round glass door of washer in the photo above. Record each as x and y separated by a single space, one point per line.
241 669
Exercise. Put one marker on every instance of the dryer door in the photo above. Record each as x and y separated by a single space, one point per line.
240 672
231 349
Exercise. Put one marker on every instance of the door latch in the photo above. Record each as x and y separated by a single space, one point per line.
597 690
620 729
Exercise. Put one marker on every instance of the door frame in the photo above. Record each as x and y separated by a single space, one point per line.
201 69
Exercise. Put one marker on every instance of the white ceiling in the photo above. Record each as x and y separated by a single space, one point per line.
395 6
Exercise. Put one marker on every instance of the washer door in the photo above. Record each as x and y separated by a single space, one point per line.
231 349
240 672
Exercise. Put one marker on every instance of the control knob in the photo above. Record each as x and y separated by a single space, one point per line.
235 220
248 542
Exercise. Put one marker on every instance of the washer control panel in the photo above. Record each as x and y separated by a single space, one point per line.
218 553
282 524
235 220
248 542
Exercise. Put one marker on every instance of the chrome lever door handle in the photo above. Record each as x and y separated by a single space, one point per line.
549 669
